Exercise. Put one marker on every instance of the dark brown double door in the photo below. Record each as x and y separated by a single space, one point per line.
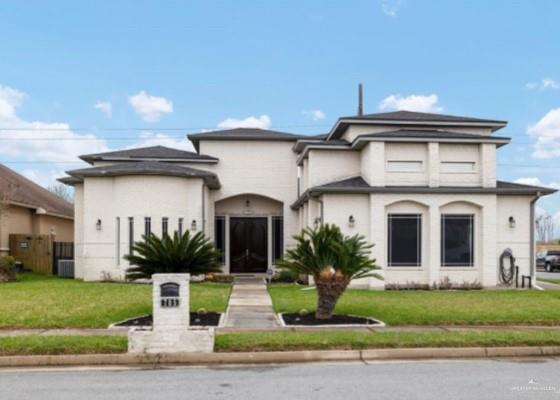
248 245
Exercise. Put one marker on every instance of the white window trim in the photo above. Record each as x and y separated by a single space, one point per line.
459 266
401 267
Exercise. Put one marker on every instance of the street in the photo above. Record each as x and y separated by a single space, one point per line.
461 379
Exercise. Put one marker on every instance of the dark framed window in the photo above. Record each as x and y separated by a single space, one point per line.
130 235
180 226
457 240
405 240
118 240
277 238
147 226
164 226
220 236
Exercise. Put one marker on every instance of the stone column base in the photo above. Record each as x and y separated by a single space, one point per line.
170 340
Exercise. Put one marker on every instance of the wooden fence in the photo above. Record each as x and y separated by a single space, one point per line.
34 251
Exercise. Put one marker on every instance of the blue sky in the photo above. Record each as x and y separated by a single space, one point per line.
159 69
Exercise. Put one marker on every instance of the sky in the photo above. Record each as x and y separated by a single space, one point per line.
84 77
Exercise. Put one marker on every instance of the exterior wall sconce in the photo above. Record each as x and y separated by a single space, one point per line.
351 221
193 225
317 222
512 222
52 231
98 224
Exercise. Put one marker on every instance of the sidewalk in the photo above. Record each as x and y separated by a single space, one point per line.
250 305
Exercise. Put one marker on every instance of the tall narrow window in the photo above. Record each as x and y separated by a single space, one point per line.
457 240
118 240
164 226
405 240
277 238
180 226
130 235
220 236
147 226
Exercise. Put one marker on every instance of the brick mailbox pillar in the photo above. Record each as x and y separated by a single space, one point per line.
170 332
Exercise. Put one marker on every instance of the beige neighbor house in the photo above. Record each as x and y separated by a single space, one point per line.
421 187
29 209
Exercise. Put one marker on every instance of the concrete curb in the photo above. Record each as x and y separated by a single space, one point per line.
277 357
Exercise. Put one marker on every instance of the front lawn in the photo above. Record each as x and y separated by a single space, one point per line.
42 301
477 307
345 340
549 280
54 345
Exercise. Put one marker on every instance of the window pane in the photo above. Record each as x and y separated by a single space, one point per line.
405 240
164 225
130 234
147 226
457 240
277 238
219 236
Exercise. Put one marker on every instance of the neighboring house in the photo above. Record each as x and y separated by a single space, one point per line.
421 187
27 208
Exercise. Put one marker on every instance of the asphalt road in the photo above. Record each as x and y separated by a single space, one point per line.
484 379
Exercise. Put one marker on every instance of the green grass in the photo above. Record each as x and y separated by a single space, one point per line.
35 345
344 340
41 301
477 307
549 280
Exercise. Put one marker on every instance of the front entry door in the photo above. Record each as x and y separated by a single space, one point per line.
248 245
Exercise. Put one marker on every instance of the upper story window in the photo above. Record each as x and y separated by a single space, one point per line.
458 167
404 166
147 226
164 226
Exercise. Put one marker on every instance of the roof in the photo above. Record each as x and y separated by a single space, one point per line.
420 117
245 134
146 168
357 184
149 153
412 118
17 189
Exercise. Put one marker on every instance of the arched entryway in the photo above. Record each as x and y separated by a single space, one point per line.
250 227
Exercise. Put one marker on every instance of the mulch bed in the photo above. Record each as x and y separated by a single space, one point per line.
310 320
207 319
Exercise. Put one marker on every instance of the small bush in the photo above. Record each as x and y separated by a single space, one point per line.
7 264
285 276
444 284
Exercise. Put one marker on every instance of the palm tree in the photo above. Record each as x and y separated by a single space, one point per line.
194 254
333 260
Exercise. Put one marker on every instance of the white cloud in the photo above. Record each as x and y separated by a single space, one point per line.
148 139
38 140
105 107
546 131
535 181
262 122
391 7
43 177
150 108
546 83
315 115
413 102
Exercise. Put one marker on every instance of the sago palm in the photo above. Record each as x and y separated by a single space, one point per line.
333 260
186 253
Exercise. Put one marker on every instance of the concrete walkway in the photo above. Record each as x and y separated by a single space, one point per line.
250 305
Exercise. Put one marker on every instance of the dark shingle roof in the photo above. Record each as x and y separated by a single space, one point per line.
431 134
245 134
154 152
147 168
412 118
18 189
359 185
420 117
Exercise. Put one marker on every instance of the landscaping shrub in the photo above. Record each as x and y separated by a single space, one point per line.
285 276
7 264
186 253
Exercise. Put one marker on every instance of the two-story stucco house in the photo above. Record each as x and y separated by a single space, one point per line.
421 187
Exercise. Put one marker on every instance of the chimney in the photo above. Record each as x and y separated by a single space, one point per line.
360 100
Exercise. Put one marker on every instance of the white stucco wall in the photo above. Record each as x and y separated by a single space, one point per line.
331 165
399 152
492 231
131 196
